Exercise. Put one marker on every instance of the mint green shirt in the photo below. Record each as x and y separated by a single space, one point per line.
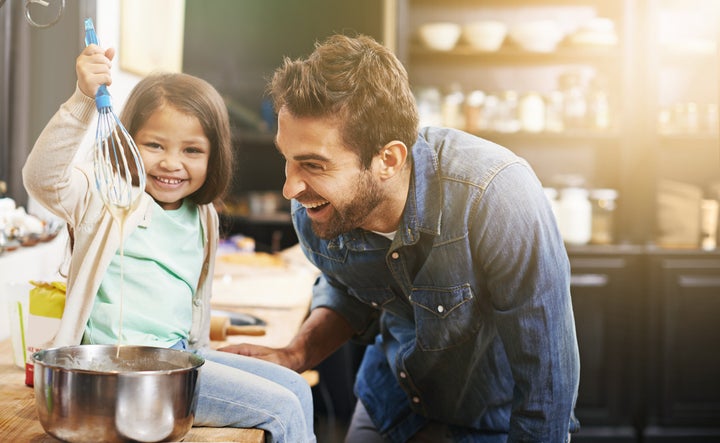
152 284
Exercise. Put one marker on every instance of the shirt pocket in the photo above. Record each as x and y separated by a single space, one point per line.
444 317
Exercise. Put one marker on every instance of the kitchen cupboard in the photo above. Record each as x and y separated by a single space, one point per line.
608 300
647 326
683 366
661 97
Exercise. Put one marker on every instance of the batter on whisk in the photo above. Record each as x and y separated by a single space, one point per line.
180 125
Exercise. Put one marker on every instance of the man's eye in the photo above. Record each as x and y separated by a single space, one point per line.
314 166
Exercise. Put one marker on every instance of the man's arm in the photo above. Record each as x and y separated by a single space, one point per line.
323 332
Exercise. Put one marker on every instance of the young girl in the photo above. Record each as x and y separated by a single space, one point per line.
180 125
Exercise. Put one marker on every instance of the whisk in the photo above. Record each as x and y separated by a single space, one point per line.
113 172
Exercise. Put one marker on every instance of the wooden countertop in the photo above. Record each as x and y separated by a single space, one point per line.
284 314
19 422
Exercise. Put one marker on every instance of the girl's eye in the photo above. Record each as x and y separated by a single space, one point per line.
192 150
152 145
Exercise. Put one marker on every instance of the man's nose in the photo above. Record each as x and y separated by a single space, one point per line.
293 185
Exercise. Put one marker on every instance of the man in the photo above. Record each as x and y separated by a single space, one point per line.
440 247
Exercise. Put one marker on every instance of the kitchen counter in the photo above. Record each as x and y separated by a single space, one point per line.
19 422
277 292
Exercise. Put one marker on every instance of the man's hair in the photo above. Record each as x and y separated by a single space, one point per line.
358 83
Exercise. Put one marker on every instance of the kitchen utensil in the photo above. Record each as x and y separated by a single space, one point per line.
92 393
485 35
240 318
439 36
221 327
114 174
537 35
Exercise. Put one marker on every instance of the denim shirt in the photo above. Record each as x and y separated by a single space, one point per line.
468 307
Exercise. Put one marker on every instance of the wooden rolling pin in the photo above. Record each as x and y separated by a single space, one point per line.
220 328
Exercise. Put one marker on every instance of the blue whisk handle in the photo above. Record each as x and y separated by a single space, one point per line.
90 35
102 97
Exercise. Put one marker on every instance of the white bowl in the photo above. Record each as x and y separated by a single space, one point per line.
439 36
486 35
537 35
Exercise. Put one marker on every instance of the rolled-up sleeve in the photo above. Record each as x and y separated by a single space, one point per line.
331 295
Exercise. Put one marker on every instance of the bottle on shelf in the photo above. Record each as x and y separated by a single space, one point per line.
474 111
574 215
603 214
452 107
532 112
429 103
598 105
574 101
507 117
554 112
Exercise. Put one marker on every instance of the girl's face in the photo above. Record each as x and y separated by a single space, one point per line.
176 152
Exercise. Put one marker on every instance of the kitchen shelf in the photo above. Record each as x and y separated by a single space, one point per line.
643 77
541 138
514 55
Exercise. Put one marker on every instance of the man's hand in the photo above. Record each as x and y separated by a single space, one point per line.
280 356
320 335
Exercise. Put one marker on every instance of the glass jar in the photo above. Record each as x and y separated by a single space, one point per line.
452 108
532 112
575 216
474 111
574 101
598 105
507 117
429 103
554 112
603 215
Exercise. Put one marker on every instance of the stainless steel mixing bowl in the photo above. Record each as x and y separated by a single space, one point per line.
93 393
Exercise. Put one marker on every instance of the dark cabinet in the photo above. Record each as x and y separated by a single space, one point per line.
683 336
607 301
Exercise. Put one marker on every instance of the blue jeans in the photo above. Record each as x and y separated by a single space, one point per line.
244 392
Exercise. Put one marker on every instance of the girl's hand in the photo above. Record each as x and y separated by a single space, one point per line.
93 68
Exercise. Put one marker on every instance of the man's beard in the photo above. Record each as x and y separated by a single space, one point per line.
353 214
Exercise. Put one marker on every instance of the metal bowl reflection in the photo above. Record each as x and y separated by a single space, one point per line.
92 393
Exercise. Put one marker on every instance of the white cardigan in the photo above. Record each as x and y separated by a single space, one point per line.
67 190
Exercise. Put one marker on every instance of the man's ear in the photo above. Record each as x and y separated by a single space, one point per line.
392 158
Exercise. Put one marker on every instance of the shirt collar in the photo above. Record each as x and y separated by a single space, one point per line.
422 212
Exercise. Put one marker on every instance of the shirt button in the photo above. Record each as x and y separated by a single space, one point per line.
374 304
403 374
440 308
395 255
416 400
197 302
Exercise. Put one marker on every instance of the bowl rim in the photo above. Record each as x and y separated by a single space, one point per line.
196 361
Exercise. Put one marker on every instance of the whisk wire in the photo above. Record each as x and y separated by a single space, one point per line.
114 175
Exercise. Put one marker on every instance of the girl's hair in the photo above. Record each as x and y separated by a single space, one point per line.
359 83
192 96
